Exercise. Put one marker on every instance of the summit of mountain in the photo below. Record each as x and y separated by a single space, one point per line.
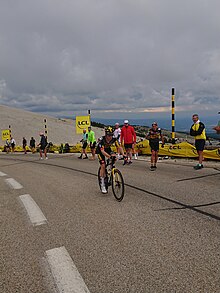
27 124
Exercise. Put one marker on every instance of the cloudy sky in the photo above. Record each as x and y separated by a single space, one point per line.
119 58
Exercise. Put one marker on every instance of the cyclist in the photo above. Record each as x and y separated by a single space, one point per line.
154 135
128 136
103 151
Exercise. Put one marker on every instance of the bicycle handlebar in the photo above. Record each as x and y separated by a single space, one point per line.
111 161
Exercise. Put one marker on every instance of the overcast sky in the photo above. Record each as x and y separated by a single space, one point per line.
64 57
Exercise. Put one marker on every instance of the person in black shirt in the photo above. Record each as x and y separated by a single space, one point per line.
154 135
24 143
43 146
32 144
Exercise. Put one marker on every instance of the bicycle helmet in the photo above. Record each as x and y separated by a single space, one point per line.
109 130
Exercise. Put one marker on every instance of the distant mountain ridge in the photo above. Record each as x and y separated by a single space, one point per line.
27 124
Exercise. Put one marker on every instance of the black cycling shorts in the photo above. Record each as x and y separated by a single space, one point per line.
101 157
93 145
200 144
84 145
154 145
128 146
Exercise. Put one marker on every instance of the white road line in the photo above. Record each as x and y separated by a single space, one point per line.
34 212
13 183
2 174
65 273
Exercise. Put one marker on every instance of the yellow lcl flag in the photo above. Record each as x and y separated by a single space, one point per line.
6 134
82 122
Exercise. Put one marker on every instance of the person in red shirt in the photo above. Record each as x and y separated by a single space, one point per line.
128 136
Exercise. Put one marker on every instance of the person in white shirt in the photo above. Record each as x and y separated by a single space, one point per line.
13 144
117 135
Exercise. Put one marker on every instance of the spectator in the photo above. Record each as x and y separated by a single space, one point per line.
154 135
32 145
13 144
117 135
92 142
128 136
7 146
217 127
198 131
43 146
24 143
84 145
66 148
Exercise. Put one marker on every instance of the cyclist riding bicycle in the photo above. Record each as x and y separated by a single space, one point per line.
103 151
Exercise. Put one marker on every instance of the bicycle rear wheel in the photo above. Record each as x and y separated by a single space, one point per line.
118 187
99 180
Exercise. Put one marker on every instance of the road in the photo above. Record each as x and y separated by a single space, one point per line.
163 237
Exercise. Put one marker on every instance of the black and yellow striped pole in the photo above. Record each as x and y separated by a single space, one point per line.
45 127
10 131
89 112
173 116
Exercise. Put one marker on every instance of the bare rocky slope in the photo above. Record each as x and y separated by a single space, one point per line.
27 124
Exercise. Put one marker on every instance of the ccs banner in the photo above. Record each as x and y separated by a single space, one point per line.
81 123
6 134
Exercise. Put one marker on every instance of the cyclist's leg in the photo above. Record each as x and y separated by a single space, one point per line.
101 158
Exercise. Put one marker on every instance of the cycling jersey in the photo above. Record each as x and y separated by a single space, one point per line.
103 145
106 146
91 136
154 135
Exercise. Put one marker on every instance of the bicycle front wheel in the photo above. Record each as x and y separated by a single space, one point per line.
118 187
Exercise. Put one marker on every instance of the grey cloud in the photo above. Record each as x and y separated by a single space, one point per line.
64 56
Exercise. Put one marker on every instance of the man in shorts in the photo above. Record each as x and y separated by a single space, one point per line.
154 135
84 145
13 142
128 136
32 145
198 131
43 146
24 143
92 142
103 151
117 135
7 146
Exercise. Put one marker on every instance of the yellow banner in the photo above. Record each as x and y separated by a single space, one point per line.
82 122
183 149
6 134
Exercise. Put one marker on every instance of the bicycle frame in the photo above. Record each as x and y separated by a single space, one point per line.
113 177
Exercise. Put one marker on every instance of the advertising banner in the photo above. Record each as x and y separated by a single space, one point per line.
82 122
6 134
183 149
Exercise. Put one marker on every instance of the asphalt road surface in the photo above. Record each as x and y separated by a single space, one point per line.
60 234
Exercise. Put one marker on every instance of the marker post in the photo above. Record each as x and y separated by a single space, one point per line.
45 127
173 116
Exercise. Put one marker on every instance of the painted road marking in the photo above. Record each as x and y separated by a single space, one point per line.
34 212
13 183
65 273
2 174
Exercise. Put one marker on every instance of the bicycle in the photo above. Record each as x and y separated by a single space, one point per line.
113 178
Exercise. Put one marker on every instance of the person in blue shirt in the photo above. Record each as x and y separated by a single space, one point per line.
84 142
